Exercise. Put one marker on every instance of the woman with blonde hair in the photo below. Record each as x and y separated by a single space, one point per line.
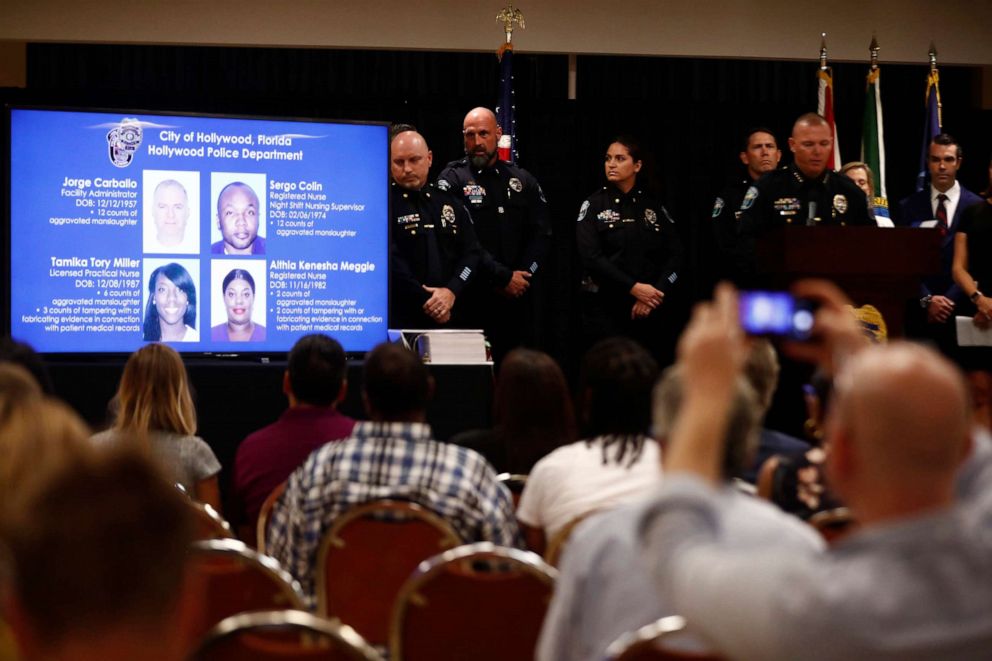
154 403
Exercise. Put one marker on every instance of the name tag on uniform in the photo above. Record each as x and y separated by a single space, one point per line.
787 206
475 193
409 219
608 216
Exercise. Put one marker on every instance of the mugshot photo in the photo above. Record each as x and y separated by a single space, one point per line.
171 212
170 298
237 300
238 226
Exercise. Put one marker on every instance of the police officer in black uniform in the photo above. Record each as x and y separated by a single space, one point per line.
433 249
513 227
631 256
723 256
806 192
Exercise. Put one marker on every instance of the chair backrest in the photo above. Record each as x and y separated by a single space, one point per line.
834 524
232 578
515 482
653 642
264 513
479 601
552 555
282 635
208 523
367 555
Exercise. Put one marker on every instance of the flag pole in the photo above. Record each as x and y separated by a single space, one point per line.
505 106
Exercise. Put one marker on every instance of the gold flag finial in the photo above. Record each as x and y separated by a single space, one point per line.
823 51
508 17
873 48
933 57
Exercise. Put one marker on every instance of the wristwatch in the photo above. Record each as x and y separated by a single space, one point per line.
925 301
977 295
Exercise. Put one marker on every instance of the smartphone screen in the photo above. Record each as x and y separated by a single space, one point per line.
776 313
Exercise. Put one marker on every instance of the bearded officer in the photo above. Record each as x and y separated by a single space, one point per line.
433 249
513 226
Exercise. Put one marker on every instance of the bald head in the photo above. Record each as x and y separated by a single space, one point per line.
902 411
812 143
482 134
409 160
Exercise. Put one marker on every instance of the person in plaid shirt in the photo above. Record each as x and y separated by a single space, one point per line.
392 455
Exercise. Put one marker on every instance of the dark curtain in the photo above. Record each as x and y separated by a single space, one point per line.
689 113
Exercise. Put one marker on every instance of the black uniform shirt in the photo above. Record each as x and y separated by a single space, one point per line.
433 243
626 238
510 215
787 196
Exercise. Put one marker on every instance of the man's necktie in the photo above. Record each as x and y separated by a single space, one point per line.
942 214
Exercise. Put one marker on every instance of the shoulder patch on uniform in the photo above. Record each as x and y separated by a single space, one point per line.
840 203
447 215
583 210
717 207
444 184
749 198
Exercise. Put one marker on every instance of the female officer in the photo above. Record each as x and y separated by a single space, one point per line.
630 254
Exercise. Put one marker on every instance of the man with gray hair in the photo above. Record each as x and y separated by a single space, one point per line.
603 591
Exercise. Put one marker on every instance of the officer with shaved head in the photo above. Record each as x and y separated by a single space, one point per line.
433 249
513 225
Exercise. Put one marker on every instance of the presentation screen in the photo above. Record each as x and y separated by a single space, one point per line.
217 235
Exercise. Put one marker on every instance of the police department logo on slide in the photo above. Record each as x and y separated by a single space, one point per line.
749 198
516 185
123 141
447 215
583 210
840 203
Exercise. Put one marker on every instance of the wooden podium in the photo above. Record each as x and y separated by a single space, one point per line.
877 266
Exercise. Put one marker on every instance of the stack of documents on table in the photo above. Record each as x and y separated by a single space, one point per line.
446 346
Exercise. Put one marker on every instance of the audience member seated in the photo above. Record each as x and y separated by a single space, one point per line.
762 370
393 455
314 383
795 480
603 591
532 411
35 431
912 582
615 462
96 558
154 404
20 353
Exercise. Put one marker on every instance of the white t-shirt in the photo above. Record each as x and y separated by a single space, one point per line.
574 480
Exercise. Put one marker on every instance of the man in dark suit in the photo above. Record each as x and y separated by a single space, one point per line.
939 205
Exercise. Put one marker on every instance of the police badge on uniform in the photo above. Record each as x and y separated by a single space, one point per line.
447 215
717 207
444 184
123 141
650 217
516 185
840 203
583 210
749 198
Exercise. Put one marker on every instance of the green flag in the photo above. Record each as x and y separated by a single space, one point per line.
873 143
